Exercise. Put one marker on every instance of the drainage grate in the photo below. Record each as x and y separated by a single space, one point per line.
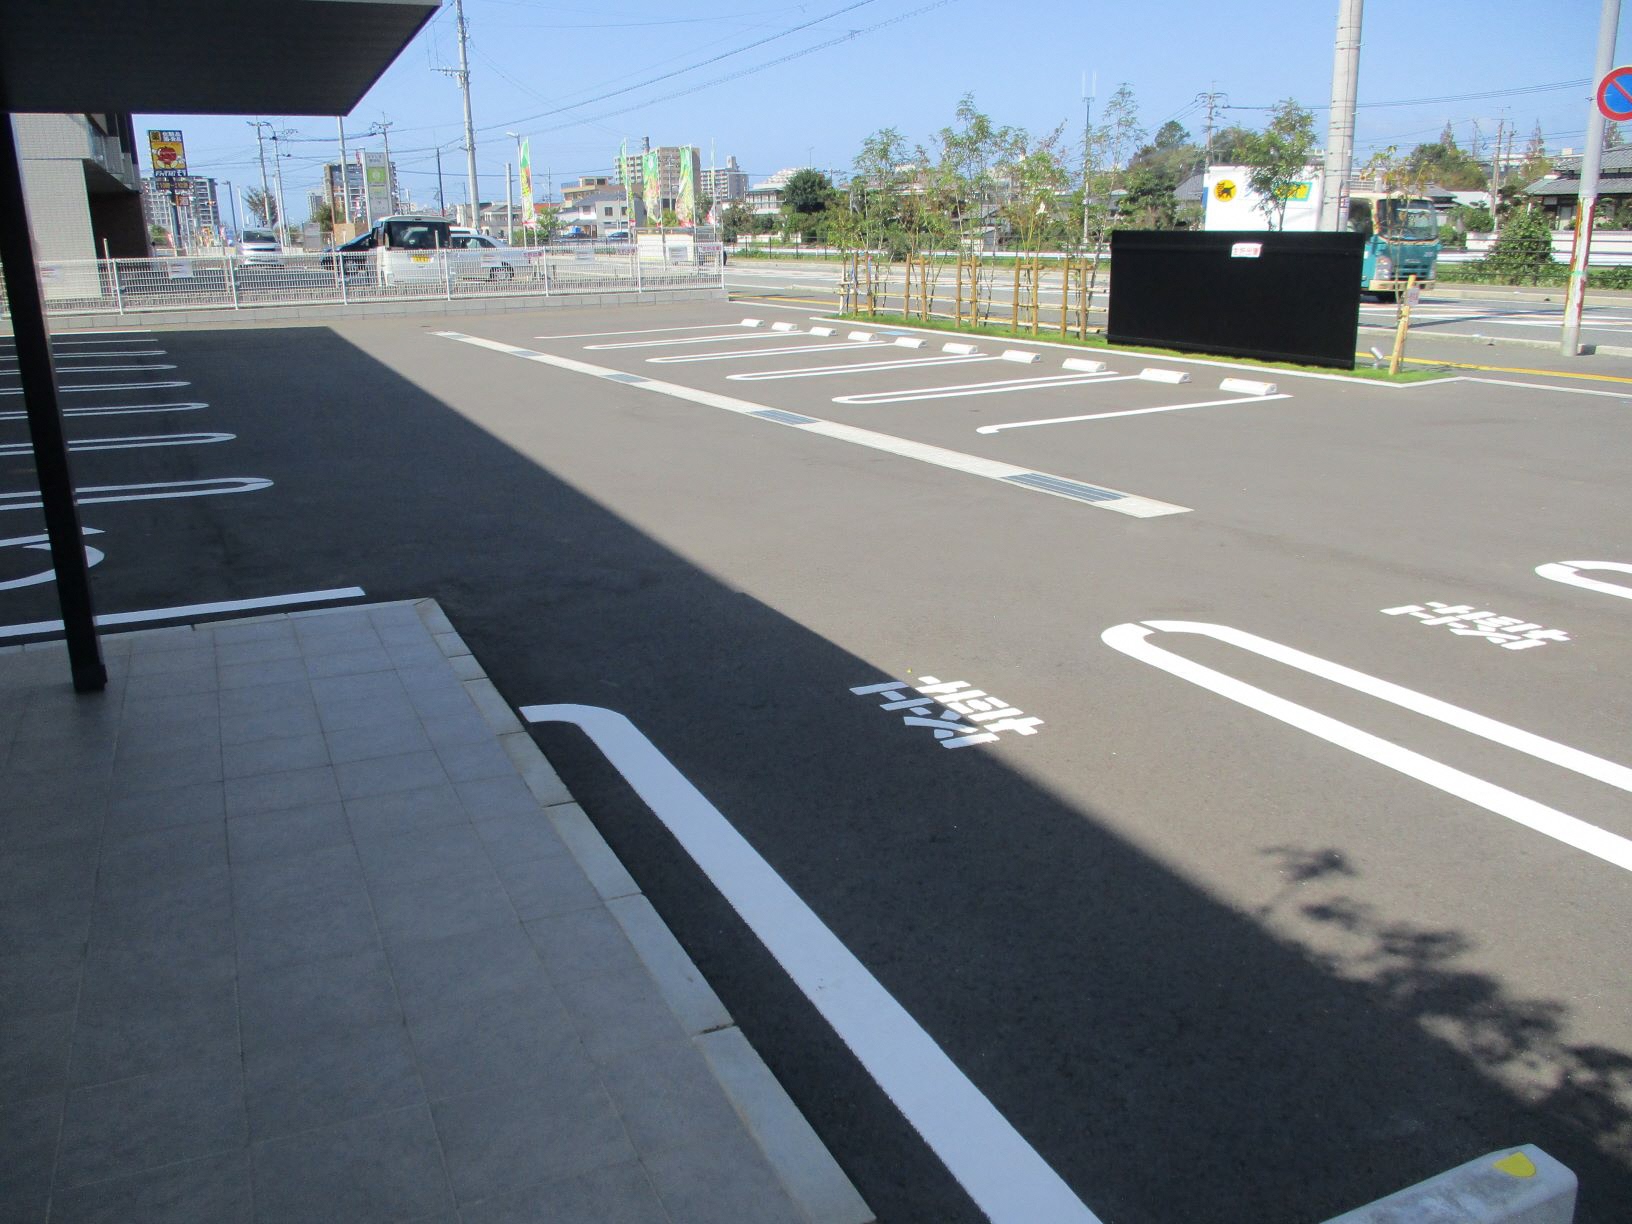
626 378
783 418
1065 488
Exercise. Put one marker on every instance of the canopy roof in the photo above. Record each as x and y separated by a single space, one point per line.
226 57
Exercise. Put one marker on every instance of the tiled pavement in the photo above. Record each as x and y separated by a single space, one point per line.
296 924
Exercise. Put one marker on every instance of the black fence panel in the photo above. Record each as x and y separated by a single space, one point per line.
1274 296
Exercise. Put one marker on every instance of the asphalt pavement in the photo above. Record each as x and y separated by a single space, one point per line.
1292 869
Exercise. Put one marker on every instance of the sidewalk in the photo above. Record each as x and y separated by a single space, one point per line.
297 924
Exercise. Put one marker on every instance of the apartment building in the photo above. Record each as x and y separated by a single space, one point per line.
725 184
82 185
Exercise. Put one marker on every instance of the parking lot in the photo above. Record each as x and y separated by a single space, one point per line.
1229 779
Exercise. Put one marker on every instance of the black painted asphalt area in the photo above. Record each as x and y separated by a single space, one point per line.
1212 967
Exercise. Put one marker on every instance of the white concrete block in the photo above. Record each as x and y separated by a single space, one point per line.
1247 386
1023 357
781 327
824 331
912 342
753 322
952 346
1164 376
1085 365
1520 1185
861 335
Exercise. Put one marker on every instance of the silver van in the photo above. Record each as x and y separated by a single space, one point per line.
261 247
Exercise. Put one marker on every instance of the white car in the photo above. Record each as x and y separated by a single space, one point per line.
260 247
478 257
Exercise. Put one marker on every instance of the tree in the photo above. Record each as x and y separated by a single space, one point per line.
1536 150
1524 247
806 191
323 214
1278 158
1230 146
158 235
737 219
262 205
1445 164
1447 136
1613 139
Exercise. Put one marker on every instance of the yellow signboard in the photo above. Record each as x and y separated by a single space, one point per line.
1295 191
1224 189
168 154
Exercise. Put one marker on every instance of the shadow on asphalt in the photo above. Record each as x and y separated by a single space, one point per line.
1171 1057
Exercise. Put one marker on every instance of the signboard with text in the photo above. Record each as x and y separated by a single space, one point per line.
167 154
377 184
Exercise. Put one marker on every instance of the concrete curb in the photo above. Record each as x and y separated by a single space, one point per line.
801 1162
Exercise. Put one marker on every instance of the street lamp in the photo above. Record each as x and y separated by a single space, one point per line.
524 172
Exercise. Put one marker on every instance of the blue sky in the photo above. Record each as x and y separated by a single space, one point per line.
536 65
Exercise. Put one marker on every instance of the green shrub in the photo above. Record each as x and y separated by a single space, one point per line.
1524 248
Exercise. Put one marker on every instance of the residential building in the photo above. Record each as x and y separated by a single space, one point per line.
725 184
82 186
671 160
1559 192
765 199
584 186
354 208
594 214
187 208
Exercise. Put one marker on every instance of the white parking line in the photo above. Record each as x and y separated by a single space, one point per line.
111 410
1002 387
1567 572
863 368
739 354
137 386
105 369
156 491
1100 416
1040 482
86 356
1002 1173
638 331
134 442
721 338
1132 640
188 611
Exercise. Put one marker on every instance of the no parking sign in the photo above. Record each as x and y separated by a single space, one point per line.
1615 94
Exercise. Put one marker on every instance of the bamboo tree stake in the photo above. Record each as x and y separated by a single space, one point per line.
1404 325
957 299
1036 299
1065 297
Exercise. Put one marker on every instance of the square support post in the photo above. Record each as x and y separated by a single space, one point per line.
45 429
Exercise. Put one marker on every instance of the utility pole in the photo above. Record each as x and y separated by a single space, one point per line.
260 150
462 75
277 169
232 198
1210 100
1340 126
1587 204
384 125
1496 181
441 205
345 177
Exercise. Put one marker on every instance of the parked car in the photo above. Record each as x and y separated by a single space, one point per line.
616 236
260 247
478 257
398 249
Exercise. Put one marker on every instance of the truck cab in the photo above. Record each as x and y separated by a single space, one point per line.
1402 241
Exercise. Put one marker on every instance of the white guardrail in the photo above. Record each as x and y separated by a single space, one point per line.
228 281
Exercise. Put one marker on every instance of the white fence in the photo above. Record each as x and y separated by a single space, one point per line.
1610 248
294 278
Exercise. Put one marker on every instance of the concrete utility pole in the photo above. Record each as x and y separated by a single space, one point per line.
470 129
345 176
441 204
277 170
1210 100
1496 180
1340 126
1591 159
384 127
260 149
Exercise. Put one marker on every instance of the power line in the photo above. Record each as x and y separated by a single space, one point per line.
1514 92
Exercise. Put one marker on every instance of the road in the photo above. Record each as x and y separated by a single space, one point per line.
1273 890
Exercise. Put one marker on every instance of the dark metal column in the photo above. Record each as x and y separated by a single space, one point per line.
39 379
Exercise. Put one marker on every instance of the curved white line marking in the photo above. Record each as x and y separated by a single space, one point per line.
190 611
120 353
158 491
1565 571
134 442
1131 640
1003 1173
42 543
